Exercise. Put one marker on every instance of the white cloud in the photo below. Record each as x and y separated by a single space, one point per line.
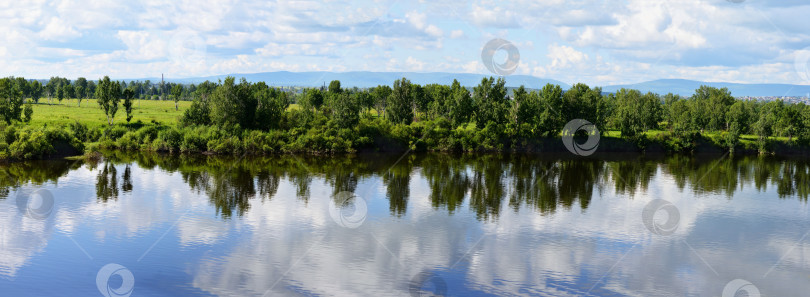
565 56
746 42
143 45
57 30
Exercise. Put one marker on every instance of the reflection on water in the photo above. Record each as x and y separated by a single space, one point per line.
468 224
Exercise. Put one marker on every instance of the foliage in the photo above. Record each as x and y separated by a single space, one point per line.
11 101
233 117
128 95
108 95
399 103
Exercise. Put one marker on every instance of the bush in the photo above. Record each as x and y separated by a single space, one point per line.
257 142
79 130
129 141
193 142
227 145
168 140
30 144
115 132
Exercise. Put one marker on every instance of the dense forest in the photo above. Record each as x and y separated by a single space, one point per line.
240 117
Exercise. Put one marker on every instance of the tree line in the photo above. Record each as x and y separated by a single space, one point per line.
59 88
506 116
516 113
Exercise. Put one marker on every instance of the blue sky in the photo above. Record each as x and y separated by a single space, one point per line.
596 42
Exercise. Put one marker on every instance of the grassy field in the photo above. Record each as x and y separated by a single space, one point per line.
91 114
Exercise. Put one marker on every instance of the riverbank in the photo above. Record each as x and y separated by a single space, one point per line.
243 118
371 135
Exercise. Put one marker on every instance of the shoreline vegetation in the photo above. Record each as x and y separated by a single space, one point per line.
233 117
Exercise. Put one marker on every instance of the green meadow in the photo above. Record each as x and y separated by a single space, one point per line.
89 113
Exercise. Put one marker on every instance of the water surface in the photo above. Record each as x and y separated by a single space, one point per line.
381 225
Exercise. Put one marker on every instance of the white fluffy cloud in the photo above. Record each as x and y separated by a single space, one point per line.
582 40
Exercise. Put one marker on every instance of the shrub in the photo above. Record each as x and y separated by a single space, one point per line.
115 132
168 140
79 130
226 145
193 142
30 144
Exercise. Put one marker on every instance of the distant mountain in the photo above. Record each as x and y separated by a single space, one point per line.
685 87
365 79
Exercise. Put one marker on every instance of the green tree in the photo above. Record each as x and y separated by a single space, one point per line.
271 106
314 98
420 100
364 100
788 121
177 94
35 90
23 86
680 117
28 112
50 88
108 95
636 113
523 108
128 94
582 102
400 102
334 87
461 105
199 113
79 95
669 100
550 121
380 96
346 111
766 120
438 100
737 116
490 101
233 104
60 93
11 100
91 89
70 92
80 82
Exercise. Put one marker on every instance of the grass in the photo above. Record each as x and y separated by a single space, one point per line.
91 114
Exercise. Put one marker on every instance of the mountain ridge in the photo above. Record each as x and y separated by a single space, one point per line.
365 79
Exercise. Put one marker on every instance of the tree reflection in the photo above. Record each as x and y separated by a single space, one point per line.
127 183
13 175
397 180
230 188
487 188
491 182
448 180
107 182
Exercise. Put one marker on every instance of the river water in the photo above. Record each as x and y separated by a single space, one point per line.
393 225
